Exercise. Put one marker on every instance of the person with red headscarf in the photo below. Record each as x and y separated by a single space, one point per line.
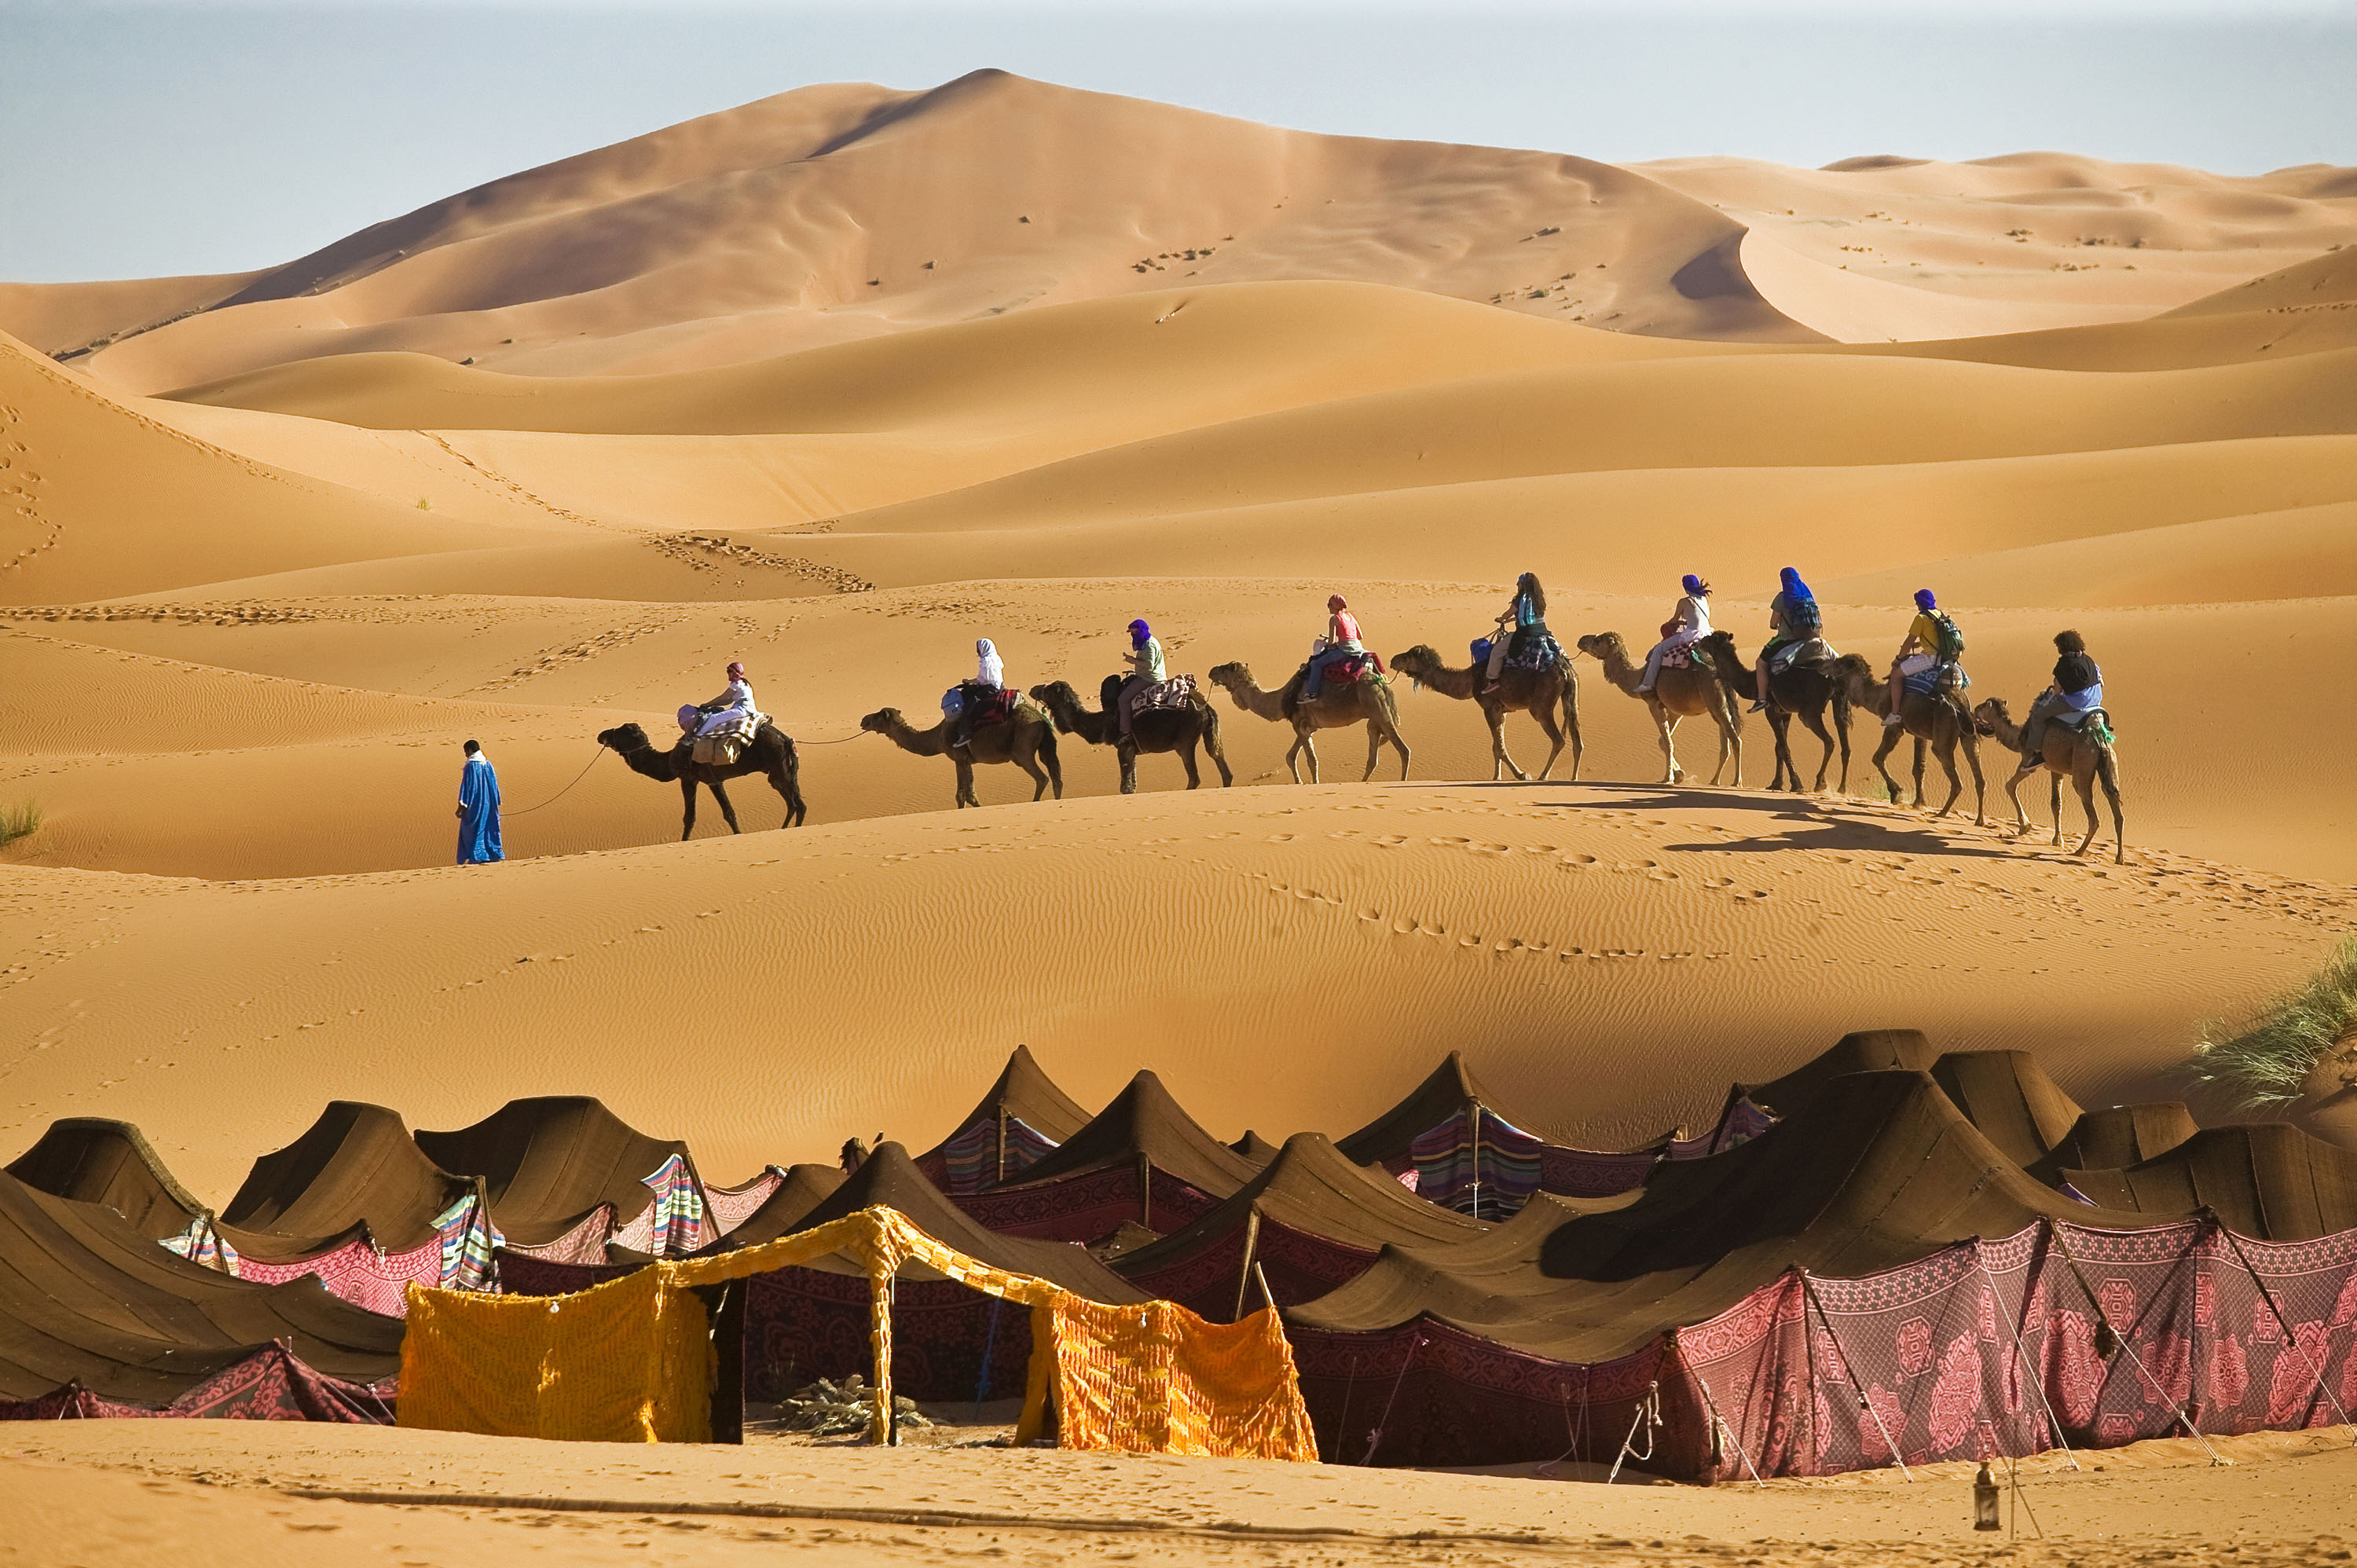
732 706
1341 642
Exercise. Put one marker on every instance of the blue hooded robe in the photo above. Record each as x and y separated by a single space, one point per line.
478 808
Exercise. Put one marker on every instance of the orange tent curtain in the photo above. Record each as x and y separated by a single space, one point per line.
631 1360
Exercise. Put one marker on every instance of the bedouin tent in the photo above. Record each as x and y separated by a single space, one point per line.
1141 1161
89 1307
566 1175
1309 1221
1018 1122
93 1159
633 1360
2269 1179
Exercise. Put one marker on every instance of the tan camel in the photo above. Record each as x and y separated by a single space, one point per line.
1338 706
1027 740
1691 693
1940 722
2067 753
1541 693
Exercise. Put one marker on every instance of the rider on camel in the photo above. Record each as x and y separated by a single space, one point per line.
733 706
1341 642
960 703
1792 619
1146 668
1932 643
1689 624
2078 691
1524 618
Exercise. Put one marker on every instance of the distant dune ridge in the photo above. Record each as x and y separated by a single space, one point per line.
838 382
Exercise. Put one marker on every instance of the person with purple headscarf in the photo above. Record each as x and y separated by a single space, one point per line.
1689 624
1146 668
1793 619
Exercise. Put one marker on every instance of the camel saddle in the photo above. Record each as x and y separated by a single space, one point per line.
1179 691
1692 656
723 747
1804 653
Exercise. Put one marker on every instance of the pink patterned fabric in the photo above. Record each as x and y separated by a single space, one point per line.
729 1207
585 1243
359 1273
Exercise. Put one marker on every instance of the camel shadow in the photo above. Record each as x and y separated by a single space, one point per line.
1837 822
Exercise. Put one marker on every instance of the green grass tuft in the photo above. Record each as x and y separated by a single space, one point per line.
20 821
2267 1066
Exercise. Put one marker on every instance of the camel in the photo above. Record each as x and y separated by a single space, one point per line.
2066 753
1800 692
1358 701
1157 729
1027 740
1941 721
1538 693
770 755
1678 695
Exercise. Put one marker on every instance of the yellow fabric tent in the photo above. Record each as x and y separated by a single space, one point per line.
631 1360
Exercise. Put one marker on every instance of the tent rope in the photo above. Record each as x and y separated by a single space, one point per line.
1375 1438
1722 1424
1809 1289
2105 1318
1649 1416
2284 1324
2028 1373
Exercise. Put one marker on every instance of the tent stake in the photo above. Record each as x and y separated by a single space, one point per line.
2105 1318
2282 1322
1810 1290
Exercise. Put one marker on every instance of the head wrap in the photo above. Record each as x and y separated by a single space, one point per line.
1338 603
1695 585
1138 632
1924 601
736 672
982 646
1793 587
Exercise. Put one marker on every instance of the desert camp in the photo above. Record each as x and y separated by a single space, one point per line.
1197 784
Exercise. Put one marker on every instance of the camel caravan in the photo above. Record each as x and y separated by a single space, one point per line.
1693 670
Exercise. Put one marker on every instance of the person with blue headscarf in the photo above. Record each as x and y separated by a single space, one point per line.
1146 668
1793 619
1689 624
1932 650
478 809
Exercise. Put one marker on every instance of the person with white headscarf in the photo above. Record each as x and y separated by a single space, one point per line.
959 702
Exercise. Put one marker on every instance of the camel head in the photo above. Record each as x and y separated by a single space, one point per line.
1418 663
1857 677
1061 701
883 721
1230 676
1604 645
1991 716
625 738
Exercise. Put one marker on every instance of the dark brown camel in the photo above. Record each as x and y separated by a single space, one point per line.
771 755
1541 693
1027 740
1799 692
2065 753
1338 704
1157 729
1940 721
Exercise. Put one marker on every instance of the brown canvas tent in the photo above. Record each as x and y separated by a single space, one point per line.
91 1159
354 1169
561 1172
2269 1179
1022 1116
1141 1160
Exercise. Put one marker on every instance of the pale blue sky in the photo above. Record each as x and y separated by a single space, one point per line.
189 135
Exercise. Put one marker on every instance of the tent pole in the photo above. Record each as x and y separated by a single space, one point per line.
1002 1147
2153 1383
1375 1439
1809 1288
1476 1159
2022 1354
1243 1274
989 1348
1145 1189
2282 1322
880 1425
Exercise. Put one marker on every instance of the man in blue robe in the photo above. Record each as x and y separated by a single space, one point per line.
478 809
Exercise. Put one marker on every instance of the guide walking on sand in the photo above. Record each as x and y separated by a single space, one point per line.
478 809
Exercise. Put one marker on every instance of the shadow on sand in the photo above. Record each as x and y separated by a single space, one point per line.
1834 823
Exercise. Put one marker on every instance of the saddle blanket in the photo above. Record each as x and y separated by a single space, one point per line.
724 743
1179 691
1937 679
1809 650
1368 666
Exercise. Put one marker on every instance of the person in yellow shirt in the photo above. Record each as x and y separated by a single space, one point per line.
1933 641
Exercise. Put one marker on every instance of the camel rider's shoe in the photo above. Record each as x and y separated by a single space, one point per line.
1757 708
1892 721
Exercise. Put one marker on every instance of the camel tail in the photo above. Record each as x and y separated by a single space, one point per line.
1048 759
796 810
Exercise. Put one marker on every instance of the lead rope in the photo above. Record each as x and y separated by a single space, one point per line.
561 793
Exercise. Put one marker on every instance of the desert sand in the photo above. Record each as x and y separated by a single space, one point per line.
838 382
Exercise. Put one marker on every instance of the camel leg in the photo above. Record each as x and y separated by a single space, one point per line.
2054 804
1920 744
1306 745
1127 752
1500 761
965 795
2108 774
1980 784
787 782
1046 749
687 817
2082 779
1217 747
1029 764
1374 747
1841 725
1730 719
720 793
1545 714
1955 783
1187 756
2020 811
1889 743
1667 724
1570 722
1399 743
1816 724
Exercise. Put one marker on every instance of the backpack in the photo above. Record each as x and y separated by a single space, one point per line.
1951 646
1802 619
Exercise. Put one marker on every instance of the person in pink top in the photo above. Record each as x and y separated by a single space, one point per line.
1341 643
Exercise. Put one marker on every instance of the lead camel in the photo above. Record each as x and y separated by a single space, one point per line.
770 754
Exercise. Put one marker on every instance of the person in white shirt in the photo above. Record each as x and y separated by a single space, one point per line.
1689 623
958 703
